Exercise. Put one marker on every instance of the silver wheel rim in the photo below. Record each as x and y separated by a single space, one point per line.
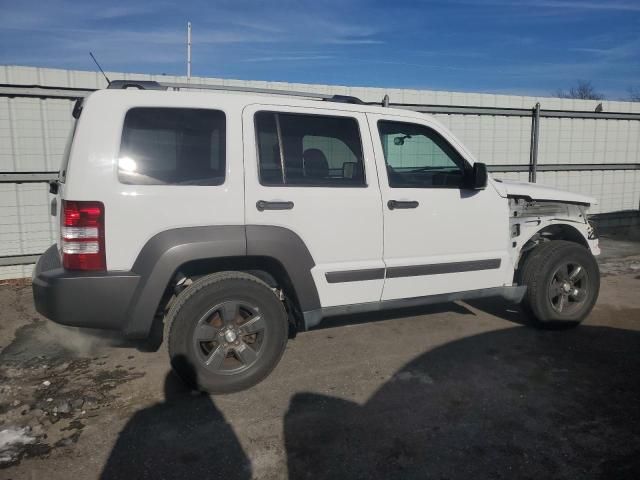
229 338
568 289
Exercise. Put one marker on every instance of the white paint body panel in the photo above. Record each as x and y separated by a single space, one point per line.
449 225
135 213
341 226
536 191
344 228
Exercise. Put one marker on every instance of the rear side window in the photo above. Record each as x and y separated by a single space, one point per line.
309 150
172 146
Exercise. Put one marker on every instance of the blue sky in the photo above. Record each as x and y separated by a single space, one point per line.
498 46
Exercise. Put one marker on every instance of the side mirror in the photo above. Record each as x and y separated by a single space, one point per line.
478 180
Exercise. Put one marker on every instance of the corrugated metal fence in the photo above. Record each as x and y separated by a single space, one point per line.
578 148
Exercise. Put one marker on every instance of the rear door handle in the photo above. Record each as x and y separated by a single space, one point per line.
263 205
396 204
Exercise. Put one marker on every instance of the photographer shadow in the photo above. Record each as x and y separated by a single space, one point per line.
512 403
183 437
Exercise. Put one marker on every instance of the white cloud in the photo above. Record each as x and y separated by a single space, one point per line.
589 5
622 51
289 58
559 7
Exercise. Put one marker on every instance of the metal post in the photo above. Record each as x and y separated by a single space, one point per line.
535 134
189 50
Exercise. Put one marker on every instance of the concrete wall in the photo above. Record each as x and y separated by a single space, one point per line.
33 134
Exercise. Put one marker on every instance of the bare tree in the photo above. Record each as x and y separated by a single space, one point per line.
583 90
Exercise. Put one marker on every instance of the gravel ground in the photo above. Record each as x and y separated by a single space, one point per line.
462 390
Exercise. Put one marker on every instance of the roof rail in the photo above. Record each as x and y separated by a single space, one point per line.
153 85
139 84
345 99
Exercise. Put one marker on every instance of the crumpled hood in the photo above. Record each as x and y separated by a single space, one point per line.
535 191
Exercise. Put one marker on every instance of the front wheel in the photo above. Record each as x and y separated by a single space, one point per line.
226 332
563 282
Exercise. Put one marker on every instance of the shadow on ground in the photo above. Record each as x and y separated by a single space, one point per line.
501 309
185 436
513 403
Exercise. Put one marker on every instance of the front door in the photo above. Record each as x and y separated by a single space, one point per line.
439 237
312 171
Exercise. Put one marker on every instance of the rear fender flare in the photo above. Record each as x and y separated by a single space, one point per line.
162 256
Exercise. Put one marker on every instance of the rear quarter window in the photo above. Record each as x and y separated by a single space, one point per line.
173 146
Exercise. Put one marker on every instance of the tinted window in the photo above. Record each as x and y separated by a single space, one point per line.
418 156
172 146
311 150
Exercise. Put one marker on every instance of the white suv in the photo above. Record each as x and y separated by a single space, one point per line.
235 219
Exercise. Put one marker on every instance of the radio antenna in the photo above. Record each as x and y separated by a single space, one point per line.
188 51
105 75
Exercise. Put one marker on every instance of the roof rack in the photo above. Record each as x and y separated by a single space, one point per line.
139 84
153 85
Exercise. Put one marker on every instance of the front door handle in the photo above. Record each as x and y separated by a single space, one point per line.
396 204
263 205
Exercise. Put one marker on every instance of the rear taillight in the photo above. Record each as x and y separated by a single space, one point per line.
82 235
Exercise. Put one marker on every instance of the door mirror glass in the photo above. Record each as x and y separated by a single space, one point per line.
479 176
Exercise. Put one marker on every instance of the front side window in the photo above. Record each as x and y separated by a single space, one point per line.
309 150
419 157
172 146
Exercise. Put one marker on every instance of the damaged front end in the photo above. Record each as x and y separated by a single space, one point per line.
532 222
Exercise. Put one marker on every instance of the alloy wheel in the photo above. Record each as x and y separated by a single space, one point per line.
229 338
568 288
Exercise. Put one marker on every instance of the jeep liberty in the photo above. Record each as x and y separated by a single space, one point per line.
229 220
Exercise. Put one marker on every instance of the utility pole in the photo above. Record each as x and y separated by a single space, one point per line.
188 50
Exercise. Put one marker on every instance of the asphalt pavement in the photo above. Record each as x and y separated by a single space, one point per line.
460 390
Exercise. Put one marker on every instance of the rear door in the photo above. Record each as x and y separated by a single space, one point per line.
312 171
439 236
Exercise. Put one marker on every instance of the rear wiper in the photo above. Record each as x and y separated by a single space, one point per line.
77 108
54 186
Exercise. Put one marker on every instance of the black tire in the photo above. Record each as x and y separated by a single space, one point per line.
553 300
234 360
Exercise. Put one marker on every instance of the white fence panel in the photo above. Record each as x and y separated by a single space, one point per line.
33 133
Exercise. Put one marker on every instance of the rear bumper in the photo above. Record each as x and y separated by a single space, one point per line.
82 299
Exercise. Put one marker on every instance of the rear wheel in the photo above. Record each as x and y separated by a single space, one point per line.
563 282
226 332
